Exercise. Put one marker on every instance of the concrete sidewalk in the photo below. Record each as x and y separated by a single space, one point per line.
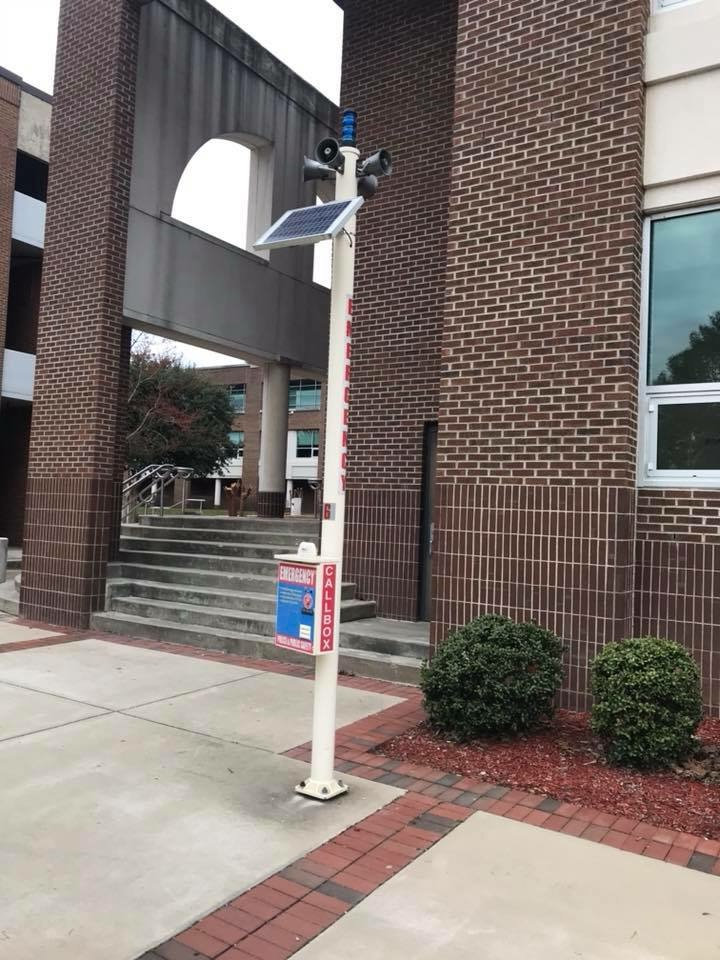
495 889
141 790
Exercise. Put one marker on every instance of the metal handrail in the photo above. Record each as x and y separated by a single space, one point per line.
146 486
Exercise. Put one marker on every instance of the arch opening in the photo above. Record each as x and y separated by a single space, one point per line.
225 190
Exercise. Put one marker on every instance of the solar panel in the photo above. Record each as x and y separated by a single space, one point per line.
309 224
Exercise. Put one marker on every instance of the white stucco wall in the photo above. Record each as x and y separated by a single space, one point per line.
18 375
34 126
682 138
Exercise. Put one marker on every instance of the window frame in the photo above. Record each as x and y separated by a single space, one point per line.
651 396
240 445
313 446
317 388
235 386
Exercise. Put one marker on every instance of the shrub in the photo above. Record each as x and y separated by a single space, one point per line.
492 677
647 701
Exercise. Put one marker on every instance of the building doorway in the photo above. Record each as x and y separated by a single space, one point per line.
429 468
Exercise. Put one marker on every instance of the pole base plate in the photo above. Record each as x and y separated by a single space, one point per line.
321 789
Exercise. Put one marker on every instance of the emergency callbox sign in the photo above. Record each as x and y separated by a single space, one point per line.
306 596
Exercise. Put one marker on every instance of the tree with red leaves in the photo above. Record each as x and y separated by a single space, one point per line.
174 414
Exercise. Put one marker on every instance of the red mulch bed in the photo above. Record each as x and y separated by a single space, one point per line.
565 761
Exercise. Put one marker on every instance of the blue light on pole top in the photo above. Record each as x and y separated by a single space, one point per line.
348 135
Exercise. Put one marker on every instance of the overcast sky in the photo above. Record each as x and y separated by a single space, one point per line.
304 34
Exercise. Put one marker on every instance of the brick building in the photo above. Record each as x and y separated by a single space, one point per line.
245 384
546 304
535 387
24 145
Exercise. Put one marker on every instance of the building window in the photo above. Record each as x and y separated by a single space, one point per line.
308 443
304 395
237 439
667 4
237 397
681 383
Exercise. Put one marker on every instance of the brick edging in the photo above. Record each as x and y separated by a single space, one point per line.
357 748
277 917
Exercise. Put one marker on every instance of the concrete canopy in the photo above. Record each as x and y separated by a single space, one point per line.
200 77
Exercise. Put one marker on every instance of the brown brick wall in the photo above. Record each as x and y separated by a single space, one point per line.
73 485
398 75
9 112
678 576
536 462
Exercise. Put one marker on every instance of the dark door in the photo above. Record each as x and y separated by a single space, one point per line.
429 466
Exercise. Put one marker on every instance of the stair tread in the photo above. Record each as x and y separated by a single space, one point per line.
172 569
209 592
198 608
221 611
161 583
277 547
233 634
197 556
142 529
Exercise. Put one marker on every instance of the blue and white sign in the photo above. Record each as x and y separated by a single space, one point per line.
295 618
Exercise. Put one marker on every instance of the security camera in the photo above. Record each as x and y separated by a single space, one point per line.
328 152
312 170
378 165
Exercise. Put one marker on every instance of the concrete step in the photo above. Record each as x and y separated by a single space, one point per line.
213 618
389 637
179 595
294 525
200 561
260 551
364 663
195 577
287 541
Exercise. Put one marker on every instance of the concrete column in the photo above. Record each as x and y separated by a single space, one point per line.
217 501
273 440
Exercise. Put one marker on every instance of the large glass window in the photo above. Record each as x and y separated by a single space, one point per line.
684 337
308 443
237 439
304 395
682 377
237 397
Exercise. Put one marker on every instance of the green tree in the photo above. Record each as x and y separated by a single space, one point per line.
174 414
689 433
700 361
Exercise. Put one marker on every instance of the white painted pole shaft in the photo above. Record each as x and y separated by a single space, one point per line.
322 783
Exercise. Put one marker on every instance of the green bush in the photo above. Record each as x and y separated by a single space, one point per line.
492 677
647 701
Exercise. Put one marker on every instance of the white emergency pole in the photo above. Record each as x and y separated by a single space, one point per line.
322 784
